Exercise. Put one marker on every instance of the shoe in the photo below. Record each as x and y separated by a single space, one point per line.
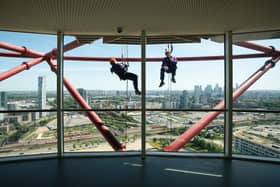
137 92
173 80
161 84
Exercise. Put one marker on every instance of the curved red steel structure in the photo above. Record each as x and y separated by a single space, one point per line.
24 52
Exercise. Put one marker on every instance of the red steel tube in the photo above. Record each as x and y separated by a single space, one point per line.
20 68
74 44
29 64
27 52
250 45
13 54
22 50
158 59
180 141
104 130
31 53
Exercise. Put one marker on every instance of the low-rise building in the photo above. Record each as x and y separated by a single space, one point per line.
246 142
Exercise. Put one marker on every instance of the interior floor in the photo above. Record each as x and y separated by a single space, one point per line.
133 171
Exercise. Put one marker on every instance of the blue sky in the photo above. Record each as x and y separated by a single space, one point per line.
96 75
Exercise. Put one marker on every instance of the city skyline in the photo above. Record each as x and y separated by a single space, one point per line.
205 88
29 131
80 135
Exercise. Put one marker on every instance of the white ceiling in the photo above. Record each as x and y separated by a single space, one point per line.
156 17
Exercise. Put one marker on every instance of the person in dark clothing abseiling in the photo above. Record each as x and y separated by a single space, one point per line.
121 71
169 65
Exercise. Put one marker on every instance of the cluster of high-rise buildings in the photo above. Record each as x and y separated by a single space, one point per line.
197 98
200 95
7 119
14 105
84 93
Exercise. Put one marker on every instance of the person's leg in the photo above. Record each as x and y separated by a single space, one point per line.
162 71
134 78
173 72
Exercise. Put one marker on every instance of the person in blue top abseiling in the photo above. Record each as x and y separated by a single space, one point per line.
169 65
121 70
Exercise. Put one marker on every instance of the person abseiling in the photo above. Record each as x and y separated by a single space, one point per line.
169 65
121 70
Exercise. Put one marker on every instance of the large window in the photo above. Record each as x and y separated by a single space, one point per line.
256 112
80 134
101 112
27 98
256 134
164 127
177 106
112 99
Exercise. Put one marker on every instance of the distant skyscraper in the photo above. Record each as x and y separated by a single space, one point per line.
3 103
3 99
204 99
208 90
84 94
42 98
197 93
218 90
184 100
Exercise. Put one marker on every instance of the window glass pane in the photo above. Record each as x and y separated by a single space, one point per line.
26 133
265 92
81 135
196 84
100 87
164 127
33 88
256 134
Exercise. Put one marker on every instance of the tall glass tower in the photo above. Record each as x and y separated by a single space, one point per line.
184 100
3 100
42 94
